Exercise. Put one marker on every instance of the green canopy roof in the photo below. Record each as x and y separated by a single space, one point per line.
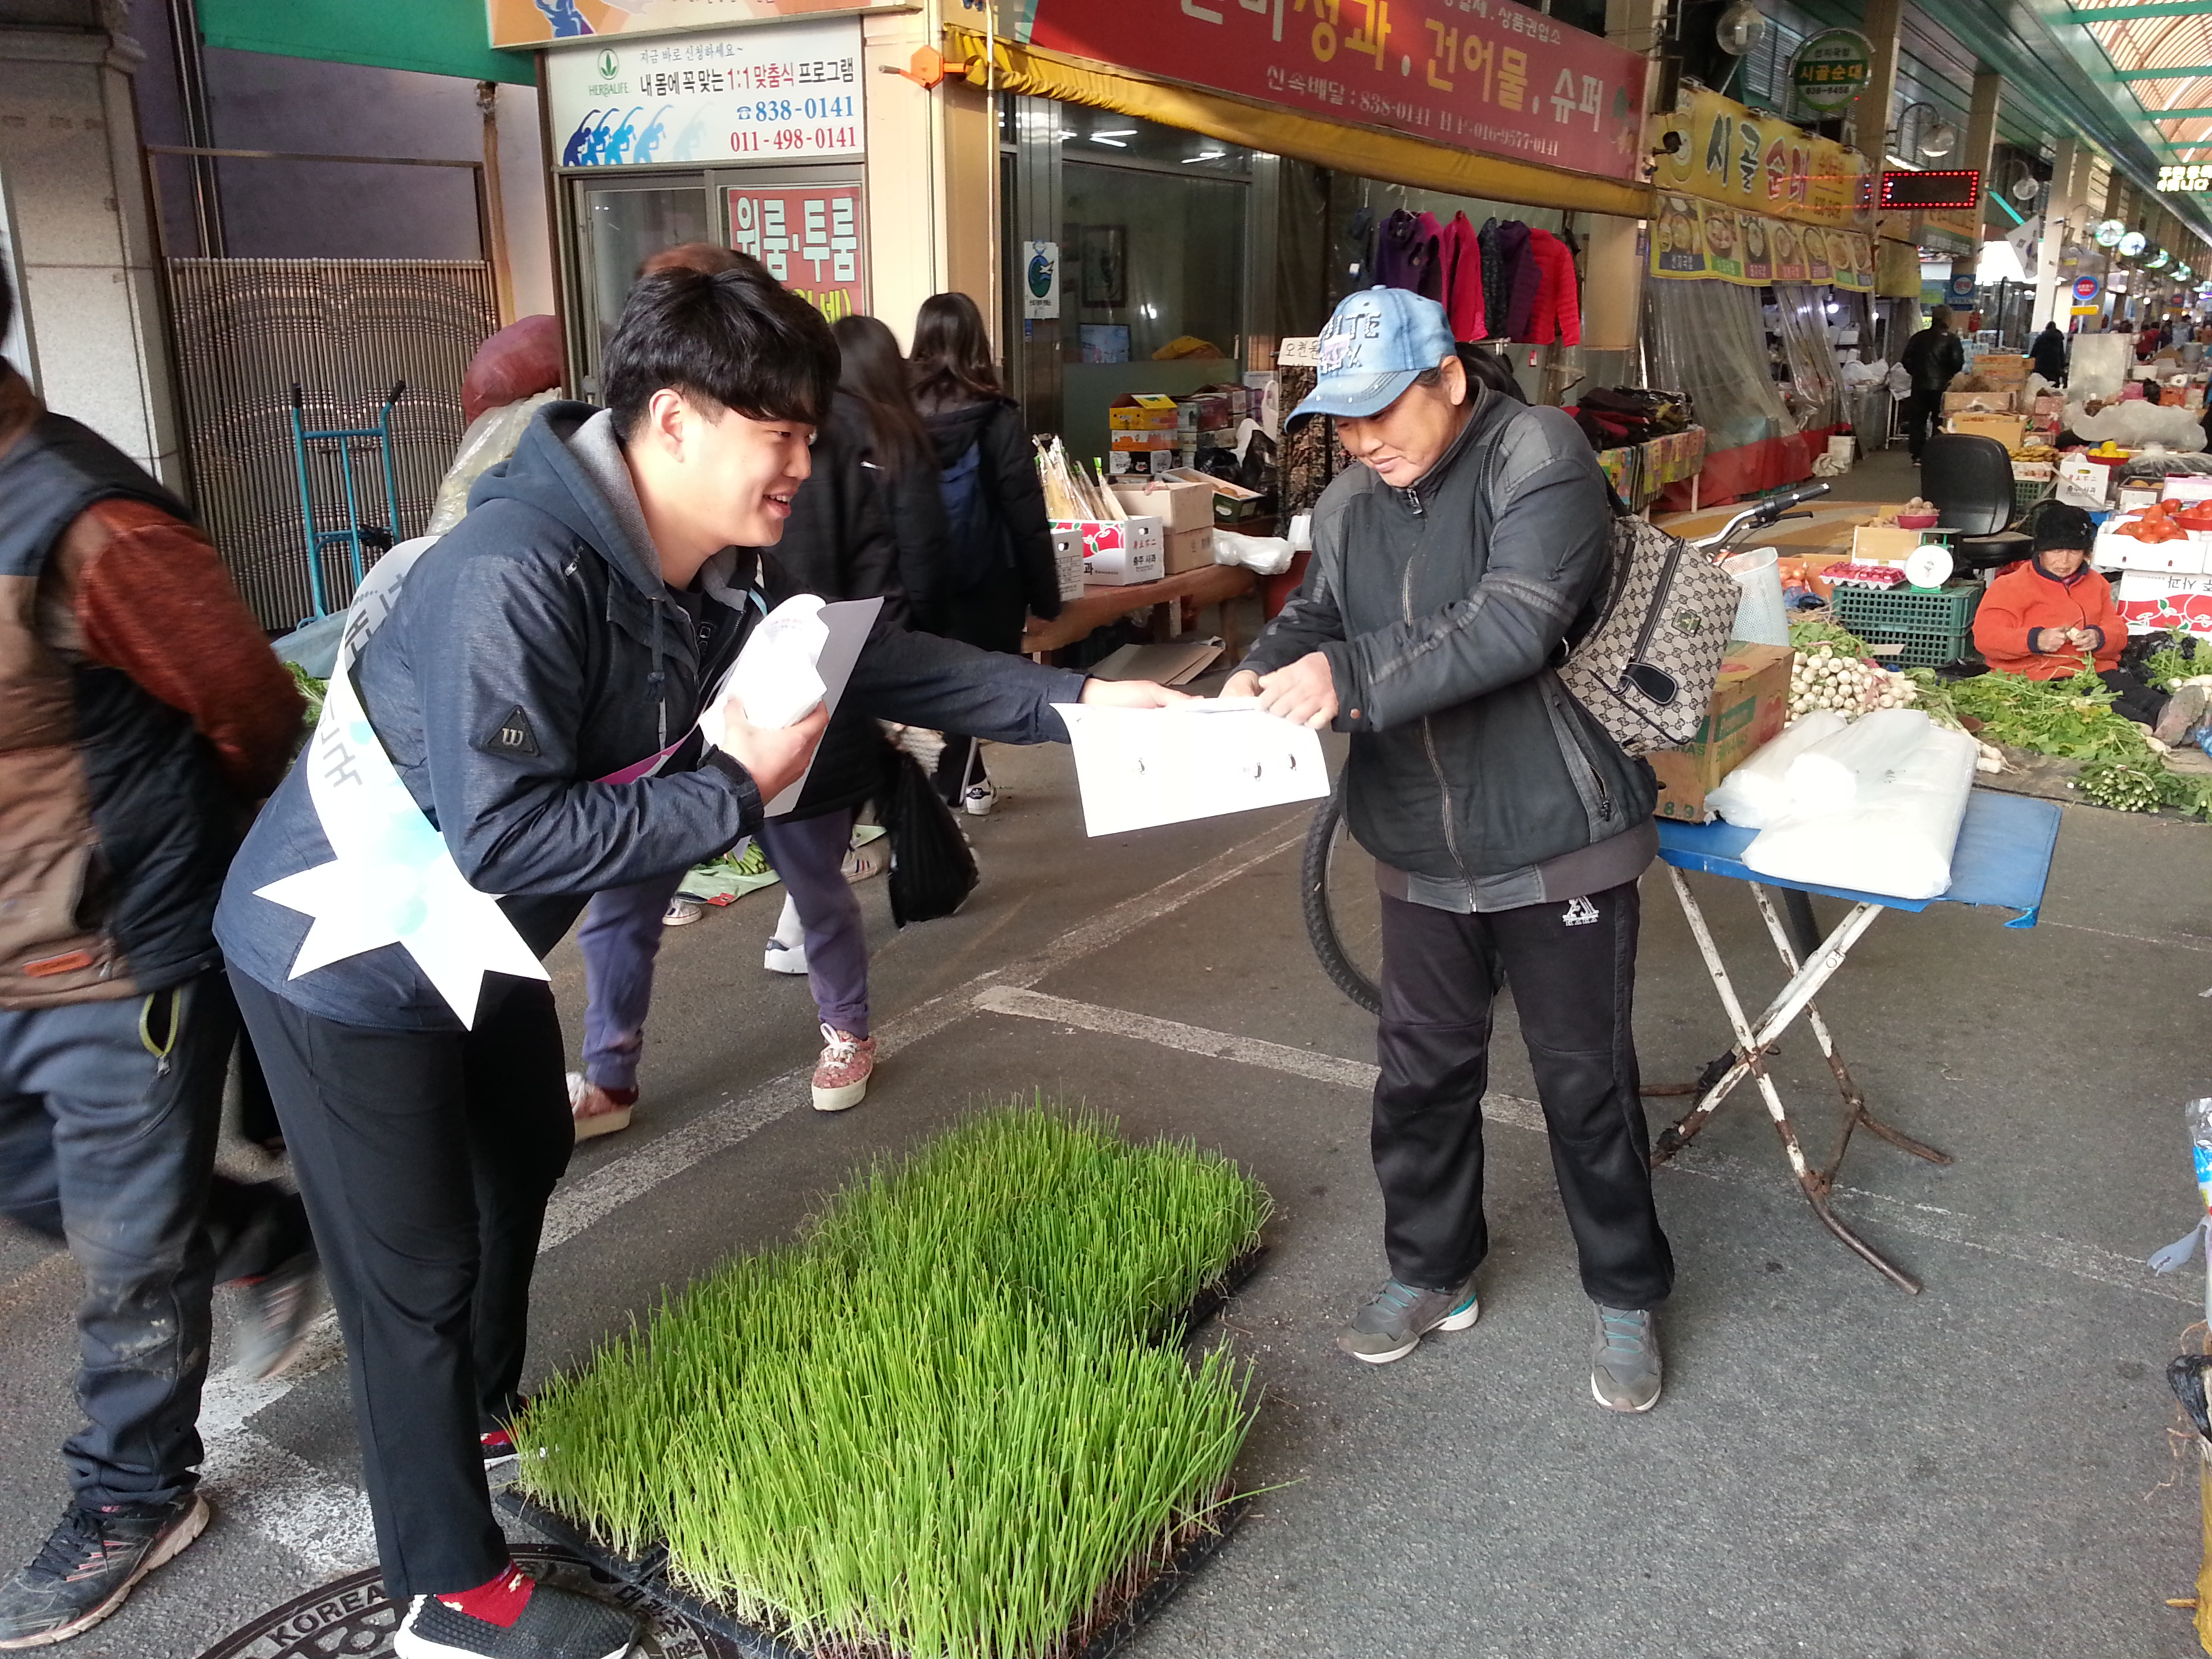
432 37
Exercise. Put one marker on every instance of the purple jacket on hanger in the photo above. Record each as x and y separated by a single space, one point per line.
1522 279
1408 253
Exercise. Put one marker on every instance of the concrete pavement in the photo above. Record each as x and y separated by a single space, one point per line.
1837 1469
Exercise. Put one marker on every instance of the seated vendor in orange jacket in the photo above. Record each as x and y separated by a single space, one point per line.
2042 618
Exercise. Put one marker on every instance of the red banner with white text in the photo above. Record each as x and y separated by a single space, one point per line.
1485 75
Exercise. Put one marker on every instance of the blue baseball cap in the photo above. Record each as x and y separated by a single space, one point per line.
1371 348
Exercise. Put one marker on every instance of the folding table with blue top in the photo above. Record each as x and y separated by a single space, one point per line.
2003 859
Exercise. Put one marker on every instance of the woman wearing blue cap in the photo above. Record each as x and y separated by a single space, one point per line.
1508 829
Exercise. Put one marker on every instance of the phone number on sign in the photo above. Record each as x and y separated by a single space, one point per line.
794 140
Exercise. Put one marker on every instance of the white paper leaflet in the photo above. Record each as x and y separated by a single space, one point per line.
1142 767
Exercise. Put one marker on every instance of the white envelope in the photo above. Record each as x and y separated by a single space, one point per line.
1142 767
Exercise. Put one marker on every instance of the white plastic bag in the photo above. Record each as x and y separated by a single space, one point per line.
1898 839
1753 795
1269 556
1832 775
490 439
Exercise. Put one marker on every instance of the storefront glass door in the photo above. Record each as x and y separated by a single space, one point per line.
620 224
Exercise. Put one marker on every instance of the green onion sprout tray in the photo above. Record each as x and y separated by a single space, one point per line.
953 1421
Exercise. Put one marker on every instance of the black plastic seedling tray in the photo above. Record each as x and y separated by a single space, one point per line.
648 1573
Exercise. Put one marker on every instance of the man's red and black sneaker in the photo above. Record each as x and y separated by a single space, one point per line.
498 1446
514 1618
89 1564
498 1440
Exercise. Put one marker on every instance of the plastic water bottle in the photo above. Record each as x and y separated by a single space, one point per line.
2199 1114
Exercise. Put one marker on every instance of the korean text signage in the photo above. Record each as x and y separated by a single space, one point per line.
740 95
549 22
810 237
1831 70
1488 75
1722 152
2185 178
1691 239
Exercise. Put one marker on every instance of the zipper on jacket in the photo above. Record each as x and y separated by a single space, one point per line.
1429 737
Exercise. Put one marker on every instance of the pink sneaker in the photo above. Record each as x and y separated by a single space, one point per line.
840 1076
599 1111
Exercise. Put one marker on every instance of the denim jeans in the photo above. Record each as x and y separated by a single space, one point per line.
620 938
108 1114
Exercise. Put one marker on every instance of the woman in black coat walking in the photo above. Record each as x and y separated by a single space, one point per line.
875 408
999 566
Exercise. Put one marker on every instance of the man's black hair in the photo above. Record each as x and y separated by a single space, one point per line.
736 339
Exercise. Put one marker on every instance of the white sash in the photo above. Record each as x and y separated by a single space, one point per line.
391 880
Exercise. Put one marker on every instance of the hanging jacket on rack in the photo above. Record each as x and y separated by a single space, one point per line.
1494 293
1558 313
1462 261
1408 251
1523 278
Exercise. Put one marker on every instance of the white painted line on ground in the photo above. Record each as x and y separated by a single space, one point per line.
2043 1250
2132 938
263 1486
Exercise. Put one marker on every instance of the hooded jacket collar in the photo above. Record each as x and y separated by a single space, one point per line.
570 467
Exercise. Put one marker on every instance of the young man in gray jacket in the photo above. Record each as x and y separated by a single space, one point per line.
538 662
1508 829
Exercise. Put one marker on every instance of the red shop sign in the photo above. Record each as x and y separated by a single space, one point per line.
1487 76
811 238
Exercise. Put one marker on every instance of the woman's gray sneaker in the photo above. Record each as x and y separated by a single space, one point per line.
1625 1363
1392 1325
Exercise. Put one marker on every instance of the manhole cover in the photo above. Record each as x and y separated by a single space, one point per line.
353 1619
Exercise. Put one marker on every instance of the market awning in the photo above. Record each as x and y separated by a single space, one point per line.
1361 150
431 37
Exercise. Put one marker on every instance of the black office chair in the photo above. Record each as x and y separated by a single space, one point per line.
1970 480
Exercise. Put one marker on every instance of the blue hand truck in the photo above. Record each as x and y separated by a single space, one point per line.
358 538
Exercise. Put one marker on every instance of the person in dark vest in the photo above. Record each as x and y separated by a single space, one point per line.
2048 353
1934 358
141 715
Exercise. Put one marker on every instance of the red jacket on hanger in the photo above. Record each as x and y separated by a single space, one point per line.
1462 264
1559 310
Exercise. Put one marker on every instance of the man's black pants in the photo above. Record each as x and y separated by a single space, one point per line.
1572 967
426 1158
1924 412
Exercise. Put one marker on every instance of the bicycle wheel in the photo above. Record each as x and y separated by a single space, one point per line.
1343 912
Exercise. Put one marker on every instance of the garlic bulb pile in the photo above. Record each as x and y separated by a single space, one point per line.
1826 678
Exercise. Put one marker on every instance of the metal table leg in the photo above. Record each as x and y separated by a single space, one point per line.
1755 1041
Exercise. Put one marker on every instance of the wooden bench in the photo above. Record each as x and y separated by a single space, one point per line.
1211 584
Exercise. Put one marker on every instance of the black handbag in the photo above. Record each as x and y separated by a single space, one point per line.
933 868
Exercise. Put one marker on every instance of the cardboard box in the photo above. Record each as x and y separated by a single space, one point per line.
1141 411
2009 430
1178 503
1188 550
1883 544
1143 463
1233 503
1141 440
1118 553
1237 395
1204 411
1750 703
2085 483
1067 561
1980 403
1177 663
1991 365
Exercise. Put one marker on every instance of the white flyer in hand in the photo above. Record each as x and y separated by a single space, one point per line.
801 654
1142 767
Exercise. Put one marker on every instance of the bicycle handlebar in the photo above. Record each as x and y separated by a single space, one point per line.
1765 513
